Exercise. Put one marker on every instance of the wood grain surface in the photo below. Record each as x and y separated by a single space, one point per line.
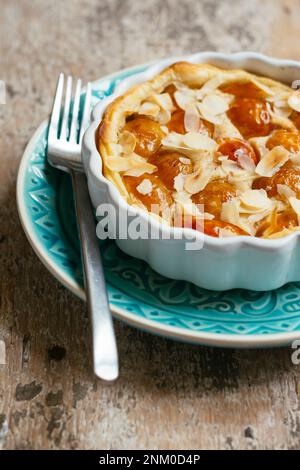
169 395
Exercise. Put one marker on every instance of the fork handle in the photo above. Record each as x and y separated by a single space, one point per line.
105 354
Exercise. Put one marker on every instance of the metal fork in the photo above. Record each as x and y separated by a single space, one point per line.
64 152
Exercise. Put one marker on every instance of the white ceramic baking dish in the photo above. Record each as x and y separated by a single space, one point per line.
222 263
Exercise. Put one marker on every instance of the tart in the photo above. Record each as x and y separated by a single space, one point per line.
221 146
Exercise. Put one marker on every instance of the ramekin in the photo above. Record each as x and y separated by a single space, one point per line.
222 263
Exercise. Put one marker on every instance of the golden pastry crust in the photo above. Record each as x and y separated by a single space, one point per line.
213 99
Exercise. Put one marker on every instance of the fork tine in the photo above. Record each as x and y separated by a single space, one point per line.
65 121
55 114
73 132
86 111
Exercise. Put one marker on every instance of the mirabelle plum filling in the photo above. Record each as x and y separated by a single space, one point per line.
287 175
244 90
148 134
172 159
176 124
171 164
288 139
236 148
212 228
284 220
213 196
251 117
153 194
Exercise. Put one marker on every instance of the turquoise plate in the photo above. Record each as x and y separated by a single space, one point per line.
137 294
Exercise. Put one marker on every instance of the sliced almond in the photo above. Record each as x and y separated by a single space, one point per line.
208 116
258 216
129 163
179 182
210 85
173 140
282 109
285 191
215 104
182 197
145 187
191 119
149 109
225 233
185 161
231 168
163 100
280 121
295 204
246 163
231 213
272 161
259 144
164 116
140 170
255 200
267 90
295 158
294 101
184 99
195 140
197 181
128 142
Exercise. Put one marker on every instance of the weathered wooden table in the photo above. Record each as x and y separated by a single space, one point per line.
169 395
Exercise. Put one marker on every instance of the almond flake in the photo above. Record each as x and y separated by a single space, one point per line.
208 216
226 130
140 170
182 197
149 109
259 144
215 104
230 167
267 90
128 142
230 213
295 204
294 101
130 162
197 181
210 86
285 191
295 158
145 187
195 140
179 182
191 119
225 233
246 163
183 99
173 140
164 129
185 161
164 101
258 216
255 200
272 161
282 109
208 116
164 116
